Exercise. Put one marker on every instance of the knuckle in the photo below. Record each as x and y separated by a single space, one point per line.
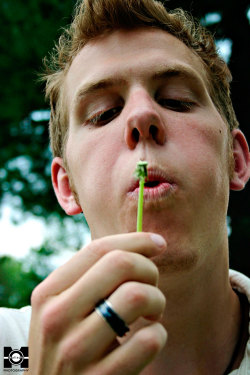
38 296
68 352
155 272
151 341
157 306
161 298
64 354
99 248
120 260
44 291
74 351
35 297
135 295
51 322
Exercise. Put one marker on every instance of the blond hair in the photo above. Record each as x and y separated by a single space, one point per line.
93 18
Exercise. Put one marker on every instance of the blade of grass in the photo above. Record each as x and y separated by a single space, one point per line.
140 206
141 173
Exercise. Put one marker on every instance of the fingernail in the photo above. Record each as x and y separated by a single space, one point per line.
158 240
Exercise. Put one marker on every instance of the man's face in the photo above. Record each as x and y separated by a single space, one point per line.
143 95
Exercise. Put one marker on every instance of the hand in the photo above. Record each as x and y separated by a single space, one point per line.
68 337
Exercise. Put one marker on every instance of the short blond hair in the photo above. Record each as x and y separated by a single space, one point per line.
93 18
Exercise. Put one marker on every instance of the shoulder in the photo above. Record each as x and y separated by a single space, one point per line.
14 330
14 325
240 282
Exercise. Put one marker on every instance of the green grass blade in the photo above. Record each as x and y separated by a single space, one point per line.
140 173
140 206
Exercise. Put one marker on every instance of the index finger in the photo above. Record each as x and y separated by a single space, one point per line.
147 244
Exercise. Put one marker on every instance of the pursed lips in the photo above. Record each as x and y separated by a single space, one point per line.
157 185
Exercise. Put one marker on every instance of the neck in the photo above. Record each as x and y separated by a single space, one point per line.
202 319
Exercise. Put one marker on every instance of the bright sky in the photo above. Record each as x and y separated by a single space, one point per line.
17 240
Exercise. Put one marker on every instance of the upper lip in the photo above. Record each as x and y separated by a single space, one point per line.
154 174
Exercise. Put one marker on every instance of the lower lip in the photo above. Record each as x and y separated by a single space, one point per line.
153 193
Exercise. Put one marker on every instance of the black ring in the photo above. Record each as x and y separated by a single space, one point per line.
106 311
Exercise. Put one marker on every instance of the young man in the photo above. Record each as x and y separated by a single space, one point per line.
134 82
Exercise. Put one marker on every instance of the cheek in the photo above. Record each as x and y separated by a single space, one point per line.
204 139
203 151
91 156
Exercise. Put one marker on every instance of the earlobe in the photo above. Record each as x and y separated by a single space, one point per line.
63 191
241 161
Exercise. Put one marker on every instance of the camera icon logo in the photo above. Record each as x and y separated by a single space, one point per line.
16 357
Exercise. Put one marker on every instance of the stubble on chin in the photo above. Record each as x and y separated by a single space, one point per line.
174 261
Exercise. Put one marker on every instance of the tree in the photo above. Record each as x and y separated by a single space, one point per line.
28 33
16 282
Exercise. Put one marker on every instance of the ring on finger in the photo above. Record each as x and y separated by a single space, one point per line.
106 311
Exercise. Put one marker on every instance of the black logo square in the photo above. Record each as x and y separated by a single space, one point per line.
16 357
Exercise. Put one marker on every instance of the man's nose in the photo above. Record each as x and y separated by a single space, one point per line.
143 121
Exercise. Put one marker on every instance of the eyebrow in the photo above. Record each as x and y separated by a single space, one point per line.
108 83
179 71
94 87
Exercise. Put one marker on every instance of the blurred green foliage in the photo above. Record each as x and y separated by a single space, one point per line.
17 279
28 32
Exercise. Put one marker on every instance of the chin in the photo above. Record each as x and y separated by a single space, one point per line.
175 260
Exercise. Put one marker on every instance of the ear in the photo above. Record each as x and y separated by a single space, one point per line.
64 194
242 161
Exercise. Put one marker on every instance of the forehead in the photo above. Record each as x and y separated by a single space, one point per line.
133 54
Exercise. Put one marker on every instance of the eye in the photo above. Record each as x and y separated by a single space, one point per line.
176 105
104 117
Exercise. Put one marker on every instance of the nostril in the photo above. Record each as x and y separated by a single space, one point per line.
135 135
153 131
